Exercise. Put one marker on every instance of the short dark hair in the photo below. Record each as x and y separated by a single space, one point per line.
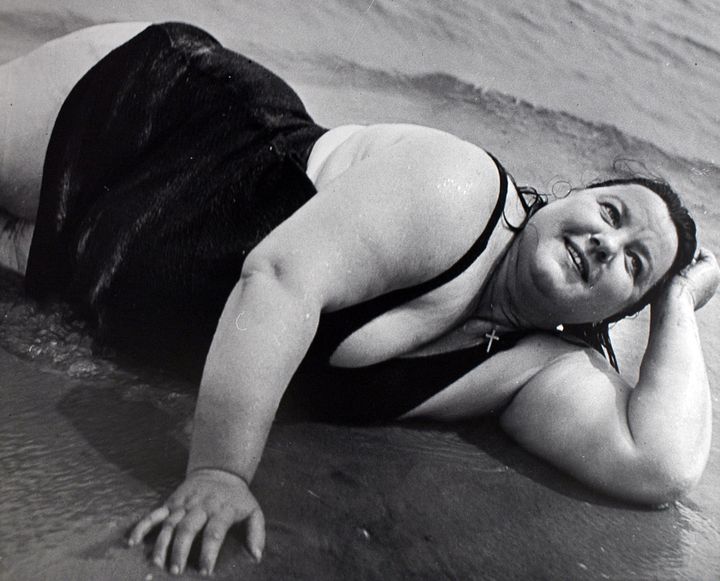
597 334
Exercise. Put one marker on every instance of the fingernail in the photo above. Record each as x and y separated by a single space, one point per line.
203 573
257 553
175 570
130 543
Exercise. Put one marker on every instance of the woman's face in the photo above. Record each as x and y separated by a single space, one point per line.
594 253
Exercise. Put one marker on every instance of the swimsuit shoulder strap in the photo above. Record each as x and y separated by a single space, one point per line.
398 297
338 325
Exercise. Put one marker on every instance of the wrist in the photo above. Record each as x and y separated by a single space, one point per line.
217 474
677 292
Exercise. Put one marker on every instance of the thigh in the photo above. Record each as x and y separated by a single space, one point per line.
32 90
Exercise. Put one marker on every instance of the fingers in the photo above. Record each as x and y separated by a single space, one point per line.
147 524
185 534
213 538
212 501
180 528
702 254
701 277
166 534
707 255
256 534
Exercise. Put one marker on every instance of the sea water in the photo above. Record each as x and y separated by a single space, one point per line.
651 68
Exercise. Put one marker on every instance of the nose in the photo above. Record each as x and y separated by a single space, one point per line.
604 247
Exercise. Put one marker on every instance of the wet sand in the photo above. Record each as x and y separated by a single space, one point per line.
87 444
82 458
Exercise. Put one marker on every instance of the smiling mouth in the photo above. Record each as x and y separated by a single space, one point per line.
578 260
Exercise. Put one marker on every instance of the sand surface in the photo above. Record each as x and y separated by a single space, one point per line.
87 444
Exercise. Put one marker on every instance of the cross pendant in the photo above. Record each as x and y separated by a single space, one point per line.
491 337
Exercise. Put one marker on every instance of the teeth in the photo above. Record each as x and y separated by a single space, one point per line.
576 259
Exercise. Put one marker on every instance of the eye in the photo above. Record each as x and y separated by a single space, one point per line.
635 264
611 213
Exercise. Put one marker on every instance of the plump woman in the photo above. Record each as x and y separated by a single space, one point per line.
194 213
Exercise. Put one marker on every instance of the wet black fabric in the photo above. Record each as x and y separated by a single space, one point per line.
169 161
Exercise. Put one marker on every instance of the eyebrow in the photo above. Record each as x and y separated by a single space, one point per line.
643 249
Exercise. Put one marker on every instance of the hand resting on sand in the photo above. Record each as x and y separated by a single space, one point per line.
210 501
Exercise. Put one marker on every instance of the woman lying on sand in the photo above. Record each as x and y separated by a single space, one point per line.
189 207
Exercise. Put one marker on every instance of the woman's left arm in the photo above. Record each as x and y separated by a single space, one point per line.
648 444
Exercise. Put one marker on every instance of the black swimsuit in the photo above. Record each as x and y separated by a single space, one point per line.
169 161
390 388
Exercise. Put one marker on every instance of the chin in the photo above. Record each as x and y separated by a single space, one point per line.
548 278
545 281
557 294
540 287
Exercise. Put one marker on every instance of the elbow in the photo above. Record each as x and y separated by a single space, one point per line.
281 286
670 488
665 482
677 482
666 470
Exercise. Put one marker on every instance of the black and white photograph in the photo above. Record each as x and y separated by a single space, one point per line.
359 289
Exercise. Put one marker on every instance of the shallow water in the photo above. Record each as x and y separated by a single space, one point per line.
650 67
87 443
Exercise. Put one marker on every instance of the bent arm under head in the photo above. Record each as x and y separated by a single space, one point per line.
649 443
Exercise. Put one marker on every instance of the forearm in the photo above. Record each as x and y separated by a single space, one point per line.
669 412
261 338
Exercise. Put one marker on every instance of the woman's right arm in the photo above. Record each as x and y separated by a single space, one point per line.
366 233
265 329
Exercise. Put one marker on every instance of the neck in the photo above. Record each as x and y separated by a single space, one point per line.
495 306
498 302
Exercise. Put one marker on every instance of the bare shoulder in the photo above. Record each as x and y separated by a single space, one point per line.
565 363
434 170
407 151
512 374
400 205
573 382
438 152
